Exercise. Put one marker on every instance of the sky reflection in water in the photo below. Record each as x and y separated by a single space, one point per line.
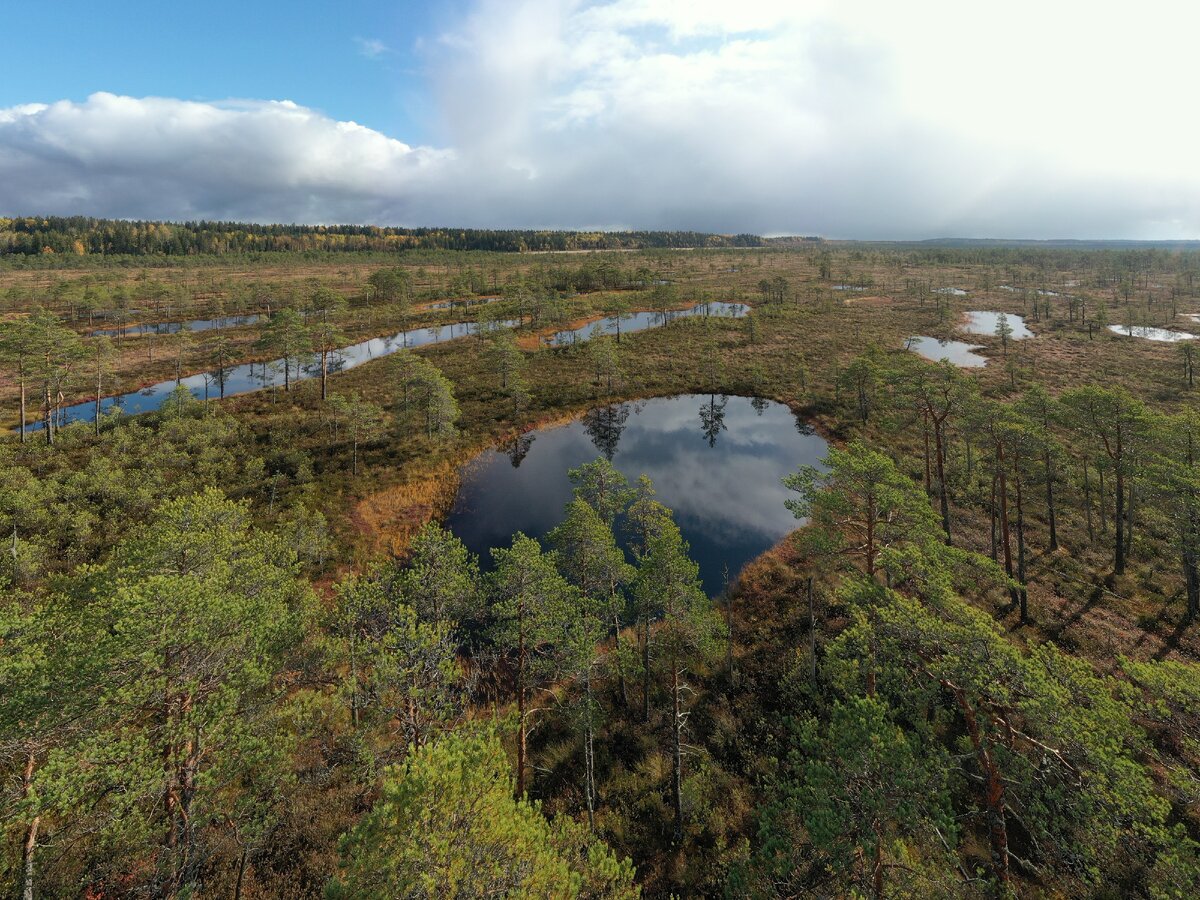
640 321
716 461
176 327
957 352
241 379
985 321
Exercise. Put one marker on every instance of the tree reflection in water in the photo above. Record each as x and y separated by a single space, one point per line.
728 496
604 426
712 418
518 448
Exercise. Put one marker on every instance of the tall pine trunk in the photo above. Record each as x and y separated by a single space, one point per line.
237 890
993 519
943 494
870 548
21 380
1191 576
49 423
677 751
1051 519
522 732
1129 507
1087 502
589 757
29 846
1103 502
99 376
993 791
1119 521
1024 591
1005 534
622 687
925 422
646 668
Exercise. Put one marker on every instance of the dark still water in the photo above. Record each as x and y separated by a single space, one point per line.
175 327
641 321
246 377
957 352
716 461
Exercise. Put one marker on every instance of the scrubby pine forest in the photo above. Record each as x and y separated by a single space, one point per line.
80 236
243 655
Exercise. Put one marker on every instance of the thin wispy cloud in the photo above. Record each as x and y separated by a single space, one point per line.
869 120
371 48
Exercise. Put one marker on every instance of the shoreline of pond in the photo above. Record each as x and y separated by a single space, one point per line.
433 480
35 423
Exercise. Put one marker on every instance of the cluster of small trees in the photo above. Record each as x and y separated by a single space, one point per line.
925 724
153 706
139 700
553 618
422 393
42 353
50 361
65 505
1099 452
315 330
774 290
45 355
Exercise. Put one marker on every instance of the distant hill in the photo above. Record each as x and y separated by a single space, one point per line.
84 236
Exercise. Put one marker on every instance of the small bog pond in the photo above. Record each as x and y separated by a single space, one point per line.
174 327
241 379
957 352
1151 334
984 322
716 461
640 321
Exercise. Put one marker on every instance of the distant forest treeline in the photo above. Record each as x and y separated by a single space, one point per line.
84 236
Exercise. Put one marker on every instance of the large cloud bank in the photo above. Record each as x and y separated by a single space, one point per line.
871 119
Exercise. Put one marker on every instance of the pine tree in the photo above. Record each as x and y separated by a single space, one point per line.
688 635
531 606
447 825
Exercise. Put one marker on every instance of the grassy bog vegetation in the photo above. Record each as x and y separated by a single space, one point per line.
240 655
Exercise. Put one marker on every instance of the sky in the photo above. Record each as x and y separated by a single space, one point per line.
866 119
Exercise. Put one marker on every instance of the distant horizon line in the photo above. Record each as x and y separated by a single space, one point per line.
774 237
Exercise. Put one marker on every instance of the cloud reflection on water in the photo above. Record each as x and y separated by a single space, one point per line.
727 498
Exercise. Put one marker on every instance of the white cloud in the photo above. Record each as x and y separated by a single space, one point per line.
856 119
156 157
